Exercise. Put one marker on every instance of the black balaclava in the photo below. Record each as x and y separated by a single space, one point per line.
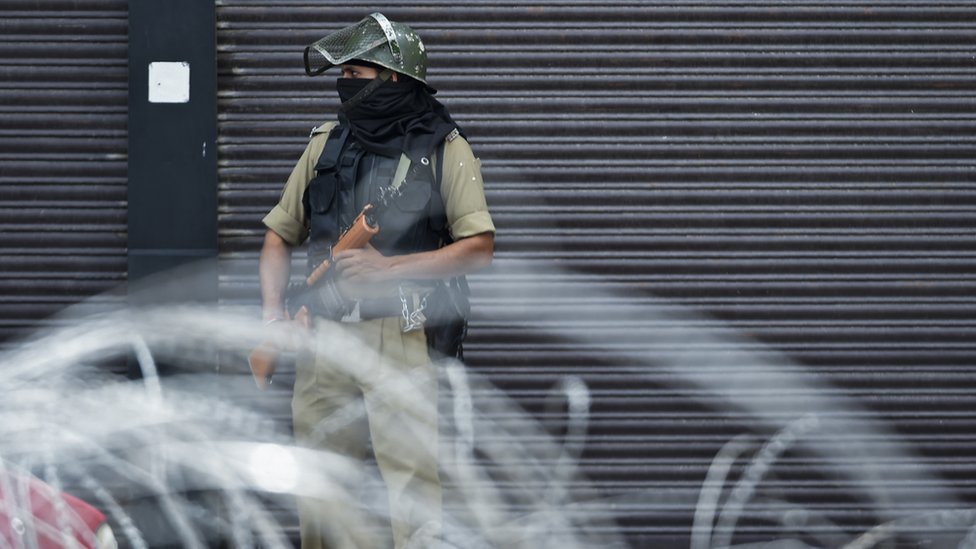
389 120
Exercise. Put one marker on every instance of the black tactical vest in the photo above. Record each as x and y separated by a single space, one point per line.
348 177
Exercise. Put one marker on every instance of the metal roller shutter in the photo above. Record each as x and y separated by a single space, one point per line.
62 158
800 172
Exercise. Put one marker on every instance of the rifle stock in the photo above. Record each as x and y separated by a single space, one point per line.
264 358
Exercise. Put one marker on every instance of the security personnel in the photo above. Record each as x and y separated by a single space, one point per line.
395 144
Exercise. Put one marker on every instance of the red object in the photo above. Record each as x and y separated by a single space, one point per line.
29 508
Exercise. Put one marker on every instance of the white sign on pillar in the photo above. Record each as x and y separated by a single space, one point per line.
169 82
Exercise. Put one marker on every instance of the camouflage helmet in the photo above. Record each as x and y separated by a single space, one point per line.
375 39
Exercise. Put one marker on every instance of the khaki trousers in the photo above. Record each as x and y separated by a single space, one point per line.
395 404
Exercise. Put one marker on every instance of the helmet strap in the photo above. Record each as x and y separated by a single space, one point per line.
368 90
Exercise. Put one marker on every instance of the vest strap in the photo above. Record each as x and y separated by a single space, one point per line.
333 148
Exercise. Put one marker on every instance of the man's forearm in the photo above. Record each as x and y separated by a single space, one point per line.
275 270
461 257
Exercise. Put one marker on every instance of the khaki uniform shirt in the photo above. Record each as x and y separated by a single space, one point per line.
462 190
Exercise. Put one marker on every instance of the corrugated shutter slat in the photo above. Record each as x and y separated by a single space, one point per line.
63 96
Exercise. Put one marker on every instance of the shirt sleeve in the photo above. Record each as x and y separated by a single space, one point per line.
463 191
288 218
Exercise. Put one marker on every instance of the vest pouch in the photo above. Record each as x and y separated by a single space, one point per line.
323 217
415 197
407 210
447 321
403 226
322 192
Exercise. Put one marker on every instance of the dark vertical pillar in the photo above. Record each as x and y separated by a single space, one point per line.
172 195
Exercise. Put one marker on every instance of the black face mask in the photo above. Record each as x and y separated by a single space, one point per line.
390 99
394 110
349 87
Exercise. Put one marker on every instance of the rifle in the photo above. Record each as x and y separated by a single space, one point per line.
264 358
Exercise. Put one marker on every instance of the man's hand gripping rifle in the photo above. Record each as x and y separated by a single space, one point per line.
319 292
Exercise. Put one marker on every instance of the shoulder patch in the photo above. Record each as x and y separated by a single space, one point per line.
453 135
